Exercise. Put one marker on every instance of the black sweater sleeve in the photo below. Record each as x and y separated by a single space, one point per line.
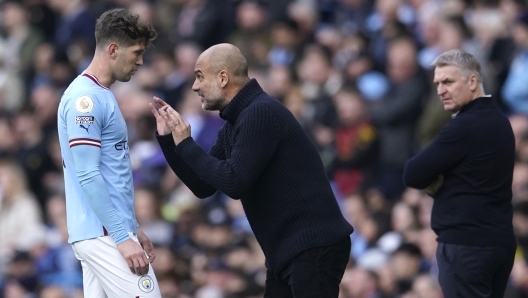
186 174
258 134
446 151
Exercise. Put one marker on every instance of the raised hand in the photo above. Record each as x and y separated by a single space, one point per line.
179 127
161 126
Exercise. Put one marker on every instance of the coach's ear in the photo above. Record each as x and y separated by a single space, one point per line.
222 78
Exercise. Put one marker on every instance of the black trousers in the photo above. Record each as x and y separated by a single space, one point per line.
315 272
473 272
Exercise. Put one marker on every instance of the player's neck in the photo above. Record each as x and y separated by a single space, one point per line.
101 70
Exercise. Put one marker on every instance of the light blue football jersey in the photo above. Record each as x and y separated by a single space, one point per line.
97 170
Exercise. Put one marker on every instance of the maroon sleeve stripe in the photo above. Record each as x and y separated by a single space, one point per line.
85 141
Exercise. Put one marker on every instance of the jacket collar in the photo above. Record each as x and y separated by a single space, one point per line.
241 100
479 102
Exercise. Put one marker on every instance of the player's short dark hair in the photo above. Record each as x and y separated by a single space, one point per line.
123 27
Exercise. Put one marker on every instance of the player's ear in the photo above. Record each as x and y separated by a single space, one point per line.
112 49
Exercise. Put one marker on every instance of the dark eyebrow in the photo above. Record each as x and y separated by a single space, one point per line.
196 72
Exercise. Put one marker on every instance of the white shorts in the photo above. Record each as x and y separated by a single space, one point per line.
106 273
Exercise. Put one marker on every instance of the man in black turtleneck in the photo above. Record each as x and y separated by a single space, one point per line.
264 158
468 171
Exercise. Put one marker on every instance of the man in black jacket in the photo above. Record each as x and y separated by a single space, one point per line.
468 171
264 158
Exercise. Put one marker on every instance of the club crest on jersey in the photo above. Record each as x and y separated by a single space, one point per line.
84 104
146 284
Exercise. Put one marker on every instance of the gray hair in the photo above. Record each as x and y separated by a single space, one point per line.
465 61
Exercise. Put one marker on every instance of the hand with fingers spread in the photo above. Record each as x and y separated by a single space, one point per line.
134 256
161 126
179 127
146 244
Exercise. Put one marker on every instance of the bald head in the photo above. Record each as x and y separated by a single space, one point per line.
226 57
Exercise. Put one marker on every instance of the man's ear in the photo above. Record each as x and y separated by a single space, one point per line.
223 78
112 50
473 83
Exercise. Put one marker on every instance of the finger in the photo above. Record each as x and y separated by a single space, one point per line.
131 266
138 266
149 250
143 264
152 257
171 123
145 268
175 115
154 111
147 246
159 101
168 121
169 115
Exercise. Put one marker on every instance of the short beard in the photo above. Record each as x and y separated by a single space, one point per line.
217 102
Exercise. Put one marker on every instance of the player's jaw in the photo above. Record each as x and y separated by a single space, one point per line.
124 75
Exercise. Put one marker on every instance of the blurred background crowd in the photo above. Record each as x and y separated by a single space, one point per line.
355 73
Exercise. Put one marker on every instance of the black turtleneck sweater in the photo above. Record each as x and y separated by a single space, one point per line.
264 158
475 154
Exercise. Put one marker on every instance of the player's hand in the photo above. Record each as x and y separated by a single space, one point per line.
179 127
163 129
134 256
435 186
146 244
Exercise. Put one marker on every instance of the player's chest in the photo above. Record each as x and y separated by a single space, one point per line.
115 130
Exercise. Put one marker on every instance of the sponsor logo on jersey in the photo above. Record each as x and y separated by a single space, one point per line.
84 119
120 146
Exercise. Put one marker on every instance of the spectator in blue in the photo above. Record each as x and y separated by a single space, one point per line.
515 89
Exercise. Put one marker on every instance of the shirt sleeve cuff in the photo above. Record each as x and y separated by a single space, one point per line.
165 140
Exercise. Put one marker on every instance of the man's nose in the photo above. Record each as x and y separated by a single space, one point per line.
440 89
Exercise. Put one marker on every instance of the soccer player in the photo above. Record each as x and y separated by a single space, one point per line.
115 254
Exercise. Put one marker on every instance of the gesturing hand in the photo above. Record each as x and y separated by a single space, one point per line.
134 256
163 129
179 127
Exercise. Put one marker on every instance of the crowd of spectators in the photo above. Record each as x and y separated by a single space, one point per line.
355 73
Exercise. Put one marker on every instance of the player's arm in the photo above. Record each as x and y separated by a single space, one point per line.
87 157
85 119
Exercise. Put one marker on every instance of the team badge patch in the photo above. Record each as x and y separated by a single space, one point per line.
84 119
84 104
146 284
